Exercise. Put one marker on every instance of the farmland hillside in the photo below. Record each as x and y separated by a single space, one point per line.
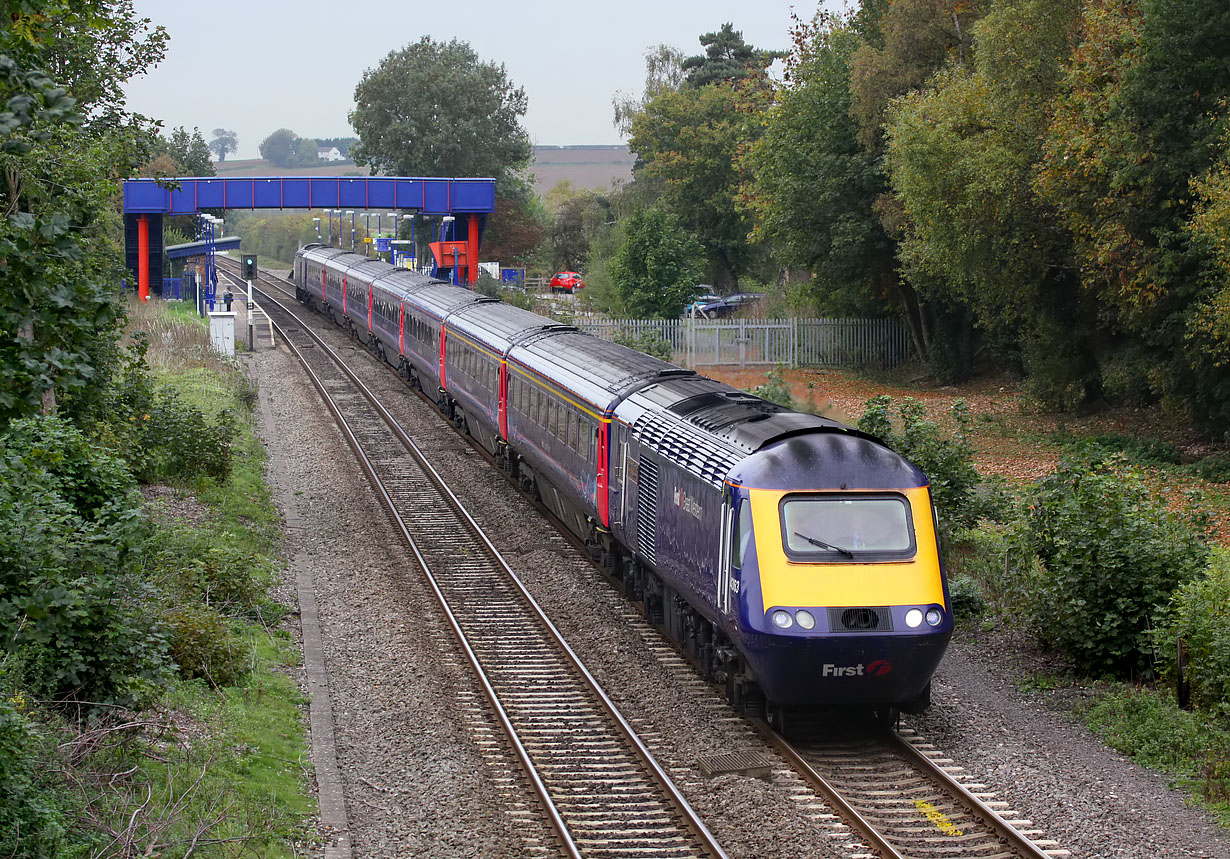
584 166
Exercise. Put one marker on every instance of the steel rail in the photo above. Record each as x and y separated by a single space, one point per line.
1017 840
847 812
682 807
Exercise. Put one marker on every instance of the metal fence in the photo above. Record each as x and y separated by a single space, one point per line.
741 342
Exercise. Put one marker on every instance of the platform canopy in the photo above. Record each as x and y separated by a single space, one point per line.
425 195
196 249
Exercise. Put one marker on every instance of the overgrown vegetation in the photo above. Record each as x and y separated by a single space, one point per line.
126 630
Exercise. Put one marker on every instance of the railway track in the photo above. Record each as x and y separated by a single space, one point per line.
599 787
896 795
906 798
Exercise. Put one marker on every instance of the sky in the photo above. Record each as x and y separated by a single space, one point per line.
256 66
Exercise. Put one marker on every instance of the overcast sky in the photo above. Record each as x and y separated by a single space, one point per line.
260 65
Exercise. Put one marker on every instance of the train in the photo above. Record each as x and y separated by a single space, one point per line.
793 557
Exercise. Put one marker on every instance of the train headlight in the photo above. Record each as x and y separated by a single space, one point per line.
805 619
782 619
934 616
914 618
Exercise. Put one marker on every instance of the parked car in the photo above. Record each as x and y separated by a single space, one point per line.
566 281
728 305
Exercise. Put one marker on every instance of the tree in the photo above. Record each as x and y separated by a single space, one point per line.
1139 120
434 109
658 265
912 40
813 187
281 148
727 58
64 143
663 73
224 142
961 157
189 152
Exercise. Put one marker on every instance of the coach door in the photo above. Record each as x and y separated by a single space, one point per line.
725 551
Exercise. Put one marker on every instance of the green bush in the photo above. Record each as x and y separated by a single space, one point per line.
992 555
204 646
193 563
947 458
61 460
1112 555
1145 451
74 613
775 388
966 595
31 825
1200 616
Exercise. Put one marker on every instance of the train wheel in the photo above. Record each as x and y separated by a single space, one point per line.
885 717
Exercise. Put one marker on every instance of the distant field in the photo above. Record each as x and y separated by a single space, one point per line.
588 167
594 168
261 167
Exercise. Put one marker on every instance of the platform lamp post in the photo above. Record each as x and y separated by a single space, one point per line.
316 221
367 234
329 215
339 238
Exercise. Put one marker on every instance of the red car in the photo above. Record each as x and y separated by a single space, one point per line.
566 281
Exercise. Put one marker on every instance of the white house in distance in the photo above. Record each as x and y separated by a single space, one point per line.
329 154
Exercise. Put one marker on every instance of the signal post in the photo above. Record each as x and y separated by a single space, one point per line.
249 275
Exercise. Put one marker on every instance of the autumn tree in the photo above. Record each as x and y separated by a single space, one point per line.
961 156
1138 121
902 44
689 141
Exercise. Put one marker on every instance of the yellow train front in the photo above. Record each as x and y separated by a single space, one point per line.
841 596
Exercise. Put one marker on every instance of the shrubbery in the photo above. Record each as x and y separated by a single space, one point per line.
1200 616
649 343
945 457
776 389
1112 555
163 438
82 624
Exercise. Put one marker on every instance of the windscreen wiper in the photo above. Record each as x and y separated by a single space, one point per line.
823 545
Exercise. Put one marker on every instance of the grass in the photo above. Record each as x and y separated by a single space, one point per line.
227 764
1191 747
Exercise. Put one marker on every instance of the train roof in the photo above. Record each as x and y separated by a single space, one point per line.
440 299
500 325
602 371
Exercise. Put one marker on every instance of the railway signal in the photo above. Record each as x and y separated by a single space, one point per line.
249 266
